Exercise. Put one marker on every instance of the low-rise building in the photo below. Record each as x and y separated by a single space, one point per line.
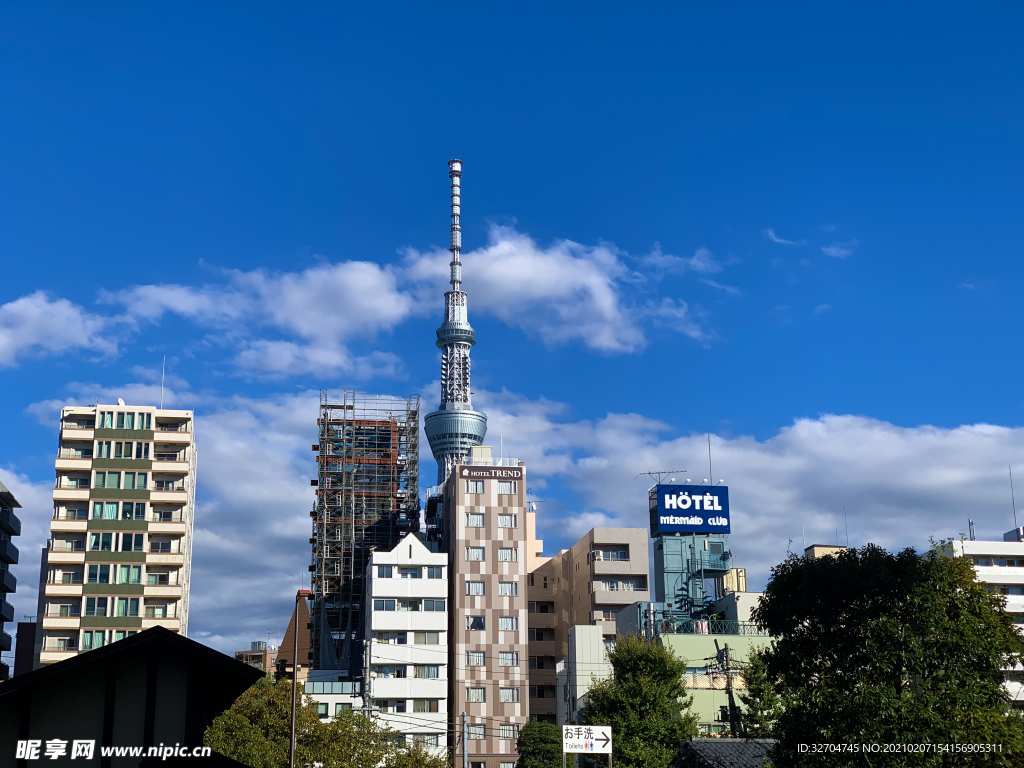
260 655
585 664
407 653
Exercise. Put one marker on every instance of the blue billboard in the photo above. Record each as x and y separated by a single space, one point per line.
690 509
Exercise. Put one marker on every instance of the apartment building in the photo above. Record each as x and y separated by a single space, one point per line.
488 537
407 653
10 526
260 655
1000 565
119 555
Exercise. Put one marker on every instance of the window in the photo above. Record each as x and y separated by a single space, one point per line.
131 542
474 486
113 479
427 671
475 696
101 542
426 638
474 520
100 481
409 605
142 450
383 605
476 658
474 622
474 732
321 710
508 694
106 420
540 635
508 731
506 487
129 421
506 765
140 482
433 605
614 553
425 739
508 588
542 691
383 571
508 658
341 708
410 573
529 579
508 521
425 705
393 638
474 554
99 574
120 421
389 670
435 572
129 481
545 582
508 555
508 623
474 587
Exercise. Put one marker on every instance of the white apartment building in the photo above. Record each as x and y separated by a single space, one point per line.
585 664
119 554
1000 565
407 648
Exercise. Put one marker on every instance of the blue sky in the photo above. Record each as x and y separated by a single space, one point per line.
799 230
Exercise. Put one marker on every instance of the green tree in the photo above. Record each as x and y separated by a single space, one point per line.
414 756
539 746
762 704
256 731
872 647
644 702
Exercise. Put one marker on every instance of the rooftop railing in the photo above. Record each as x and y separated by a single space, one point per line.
672 626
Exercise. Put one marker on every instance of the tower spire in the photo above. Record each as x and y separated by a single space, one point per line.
455 427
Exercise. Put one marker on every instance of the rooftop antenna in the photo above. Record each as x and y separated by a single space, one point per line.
710 473
847 522
1012 500
163 369
970 528
803 535
661 474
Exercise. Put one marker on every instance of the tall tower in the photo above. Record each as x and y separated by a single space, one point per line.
454 427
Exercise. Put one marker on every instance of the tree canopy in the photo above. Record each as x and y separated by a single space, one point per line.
644 703
256 731
539 746
872 647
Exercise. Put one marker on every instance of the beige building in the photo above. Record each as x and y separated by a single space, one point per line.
489 538
119 554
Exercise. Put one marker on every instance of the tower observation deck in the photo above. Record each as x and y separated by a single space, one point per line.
454 427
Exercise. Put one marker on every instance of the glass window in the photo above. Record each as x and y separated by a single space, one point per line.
506 487
474 486
100 481
129 481
474 554
140 481
508 521
110 510
433 605
426 638
508 731
140 510
434 572
120 421
474 520
508 588
321 710
508 658
127 510
104 574
410 573
508 555
508 623
476 658
383 571
90 606
475 695
409 605
474 622
475 732
129 421
106 542
425 739
389 670
383 605
113 479
341 707
426 671
122 606
508 694
101 606
474 587
506 765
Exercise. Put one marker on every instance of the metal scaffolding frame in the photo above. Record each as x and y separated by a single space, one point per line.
367 498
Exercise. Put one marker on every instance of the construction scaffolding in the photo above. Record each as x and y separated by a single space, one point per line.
367 498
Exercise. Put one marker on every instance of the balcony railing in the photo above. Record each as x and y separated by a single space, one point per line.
159 612
672 626
710 562
492 462
162 548
168 457
65 578
66 546
71 453
168 485
79 425
63 611
71 484
172 427
60 644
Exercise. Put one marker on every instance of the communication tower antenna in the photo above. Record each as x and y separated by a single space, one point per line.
1012 500
660 475
710 473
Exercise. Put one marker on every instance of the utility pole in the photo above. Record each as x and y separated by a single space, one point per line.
465 753
734 712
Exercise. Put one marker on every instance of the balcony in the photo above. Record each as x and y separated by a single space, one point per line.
673 626
161 612
63 611
7 581
71 484
182 427
65 578
65 546
74 453
168 485
60 644
8 552
709 562
9 521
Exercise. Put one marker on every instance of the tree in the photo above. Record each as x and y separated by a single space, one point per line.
539 746
644 703
415 756
762 703
876 648
256 731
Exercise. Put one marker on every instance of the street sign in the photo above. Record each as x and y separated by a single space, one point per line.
590 739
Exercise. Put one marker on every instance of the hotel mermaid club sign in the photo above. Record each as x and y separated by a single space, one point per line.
690 509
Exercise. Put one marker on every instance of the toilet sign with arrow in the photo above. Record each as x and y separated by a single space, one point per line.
589 739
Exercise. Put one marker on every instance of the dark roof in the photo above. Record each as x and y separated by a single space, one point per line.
8 498
725 753
156 640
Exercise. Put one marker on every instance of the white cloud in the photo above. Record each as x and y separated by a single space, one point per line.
37 325
821 308
732 290
675 314
702 261
566 292
175 393
839 250
770 234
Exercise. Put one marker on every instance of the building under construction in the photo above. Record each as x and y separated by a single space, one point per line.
367 498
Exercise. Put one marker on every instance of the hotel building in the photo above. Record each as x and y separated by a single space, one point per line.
119 554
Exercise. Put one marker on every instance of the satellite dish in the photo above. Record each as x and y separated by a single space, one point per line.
120 401
671 479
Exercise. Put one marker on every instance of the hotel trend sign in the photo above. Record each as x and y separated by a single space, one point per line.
691 509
